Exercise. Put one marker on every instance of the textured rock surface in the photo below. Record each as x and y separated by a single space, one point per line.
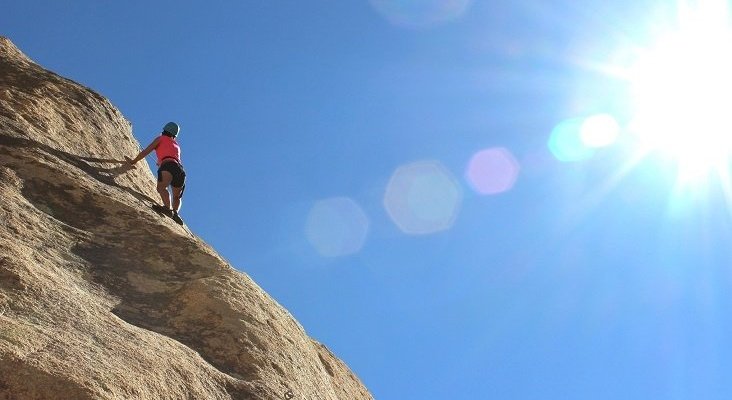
101 298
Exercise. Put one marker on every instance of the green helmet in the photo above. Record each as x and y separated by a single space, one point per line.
172 128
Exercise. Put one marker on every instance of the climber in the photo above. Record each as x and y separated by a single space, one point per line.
170 170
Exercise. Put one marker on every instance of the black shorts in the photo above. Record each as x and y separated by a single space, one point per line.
175 169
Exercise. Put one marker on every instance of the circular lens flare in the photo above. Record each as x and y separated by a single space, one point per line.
599 130
566 144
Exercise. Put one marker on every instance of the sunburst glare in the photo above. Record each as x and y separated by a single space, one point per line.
682 93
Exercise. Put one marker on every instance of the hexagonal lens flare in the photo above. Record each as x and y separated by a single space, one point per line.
337 227
423 198
492 171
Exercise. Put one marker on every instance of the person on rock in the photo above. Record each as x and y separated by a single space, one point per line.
170 170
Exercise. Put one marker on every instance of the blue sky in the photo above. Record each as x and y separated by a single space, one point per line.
588 272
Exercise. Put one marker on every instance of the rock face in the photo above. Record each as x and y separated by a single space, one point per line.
100 297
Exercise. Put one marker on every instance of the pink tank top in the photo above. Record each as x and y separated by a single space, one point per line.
167 148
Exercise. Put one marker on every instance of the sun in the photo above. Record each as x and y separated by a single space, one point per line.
682 93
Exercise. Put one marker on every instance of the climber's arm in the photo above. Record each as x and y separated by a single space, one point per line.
145 152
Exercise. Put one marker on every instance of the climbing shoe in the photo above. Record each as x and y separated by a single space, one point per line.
163 210
176 218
